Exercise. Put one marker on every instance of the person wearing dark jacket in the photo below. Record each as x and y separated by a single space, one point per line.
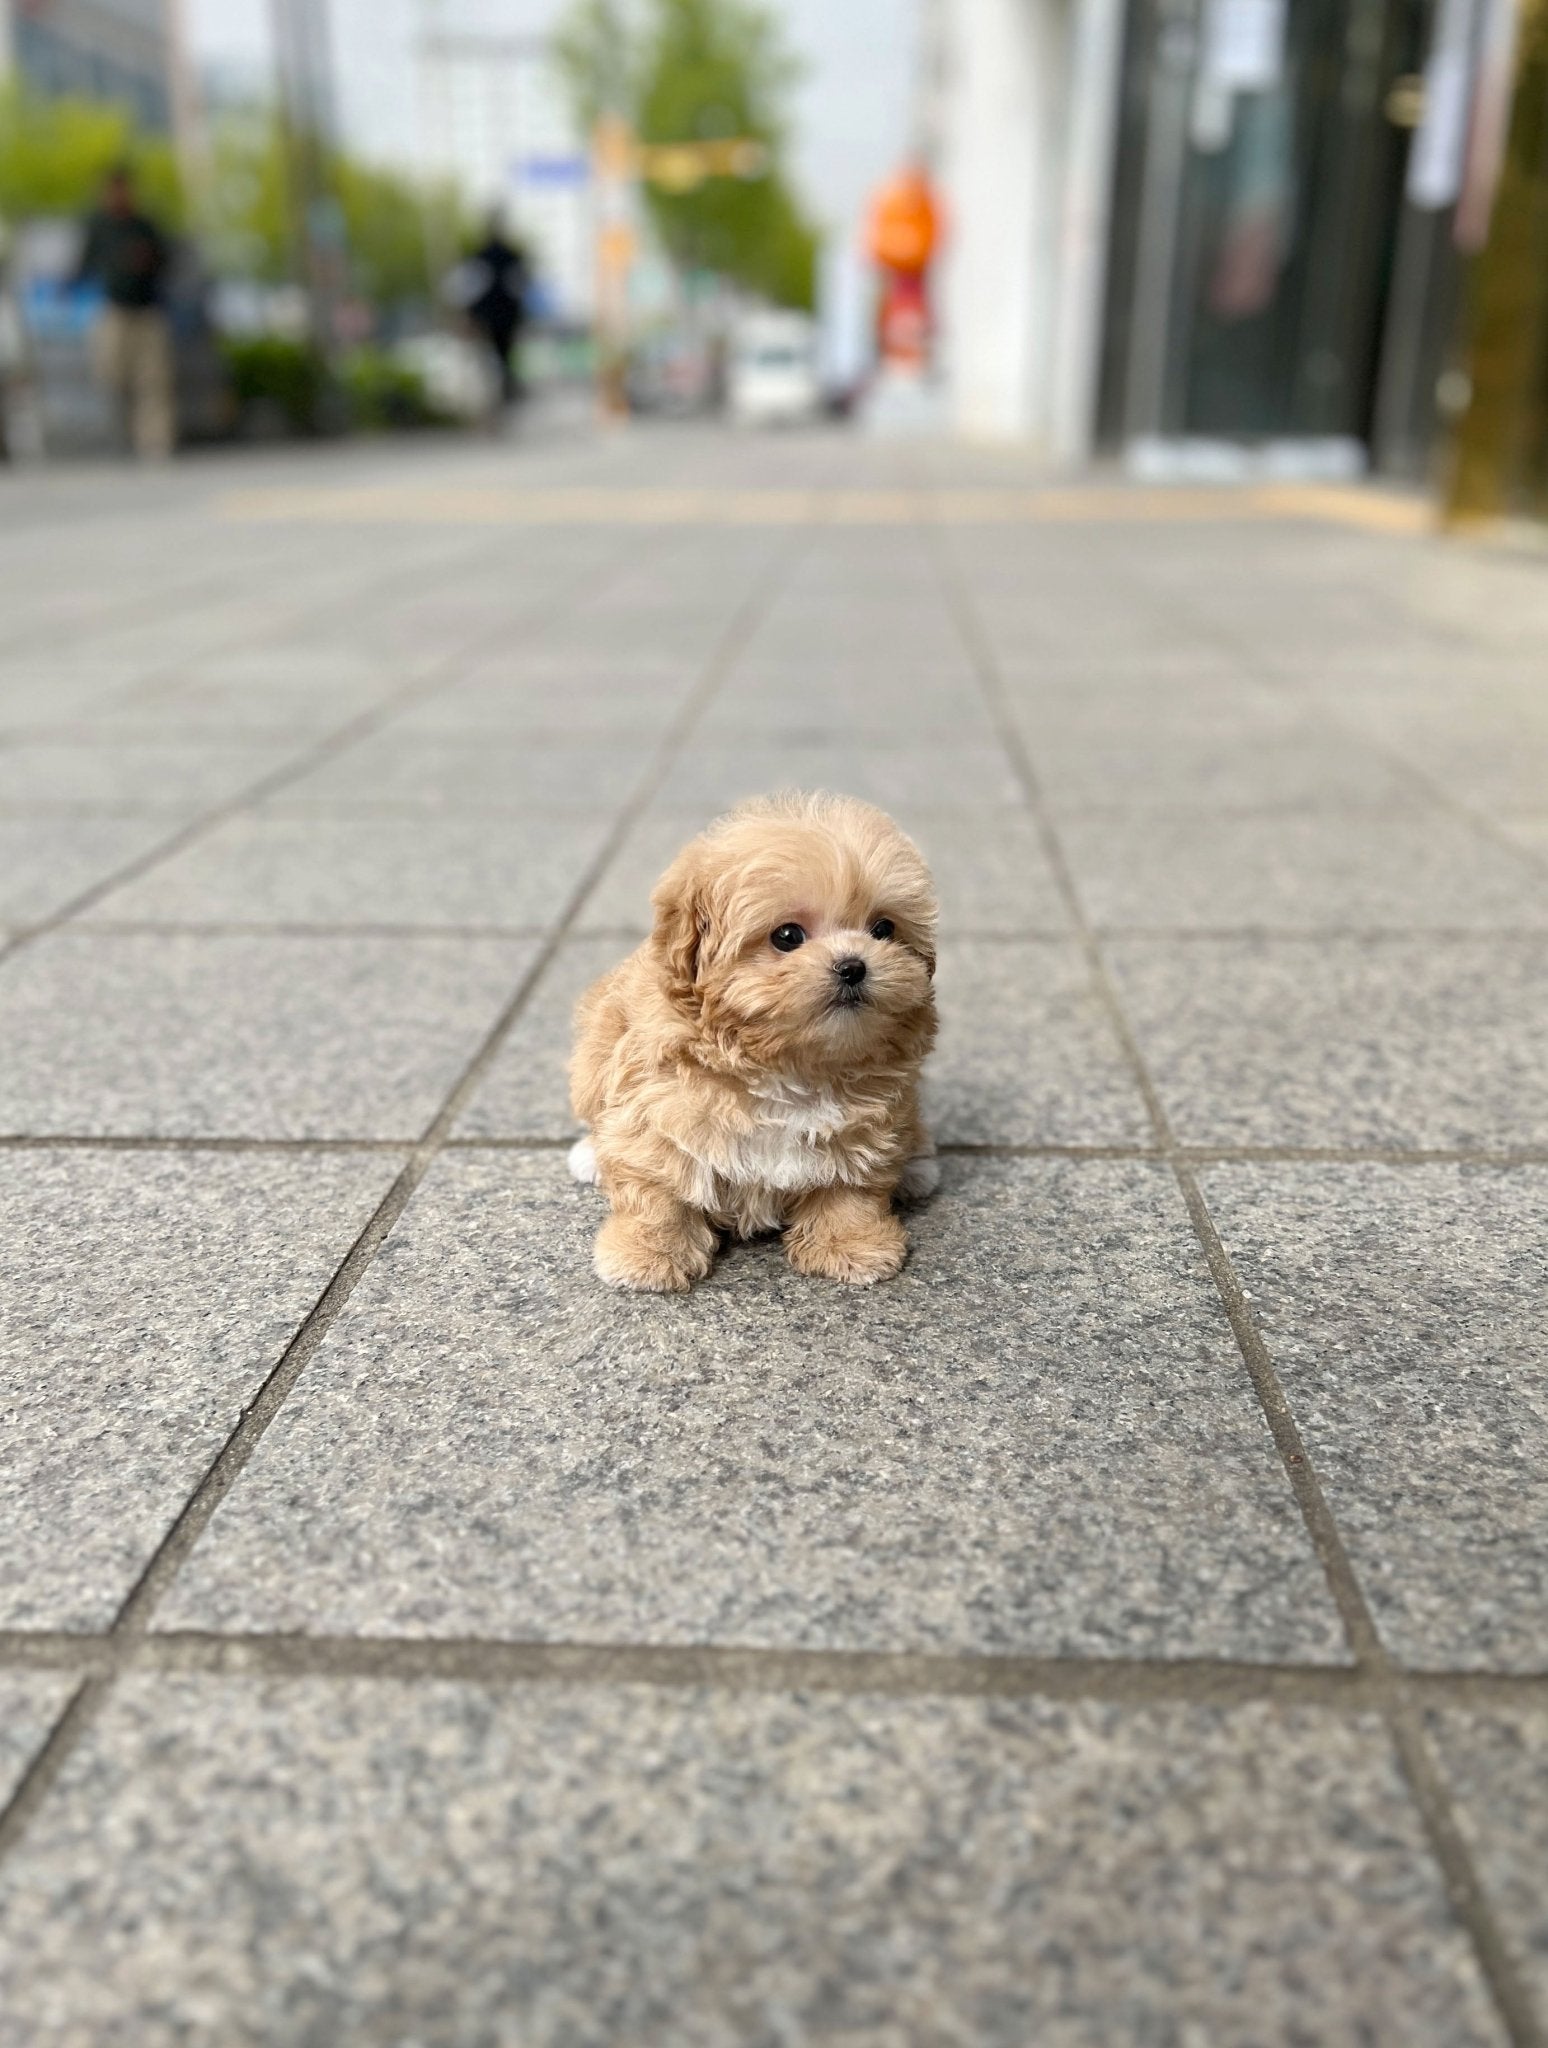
497 303
128 255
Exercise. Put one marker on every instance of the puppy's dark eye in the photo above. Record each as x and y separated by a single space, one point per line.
786 937
883 928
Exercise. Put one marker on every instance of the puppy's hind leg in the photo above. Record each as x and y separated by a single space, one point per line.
652 1241
920 1177
582 1161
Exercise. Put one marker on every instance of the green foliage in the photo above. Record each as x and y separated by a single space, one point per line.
384 393
54 154
389 222
283 381
595 49
697 71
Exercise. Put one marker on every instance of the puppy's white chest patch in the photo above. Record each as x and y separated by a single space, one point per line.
784 1145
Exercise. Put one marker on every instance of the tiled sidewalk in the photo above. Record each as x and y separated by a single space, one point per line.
1130 1626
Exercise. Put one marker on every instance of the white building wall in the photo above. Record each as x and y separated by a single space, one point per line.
1028 100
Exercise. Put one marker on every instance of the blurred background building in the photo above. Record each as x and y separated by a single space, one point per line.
1192 228
1207 237
122 51
495 117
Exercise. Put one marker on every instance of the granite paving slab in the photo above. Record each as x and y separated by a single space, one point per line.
1256 764
30 1702
280 702
712 775
526 1092
420 773
1496 1758
147 1297
150 775
275 867
1298 872
1027 1055
241 1035
321 1864
1403 1308
46 861
990 869
1039 1438
1415 1042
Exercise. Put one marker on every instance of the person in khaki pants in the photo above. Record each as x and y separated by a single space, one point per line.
127 253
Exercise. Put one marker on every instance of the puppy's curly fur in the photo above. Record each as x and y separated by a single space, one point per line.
754 1065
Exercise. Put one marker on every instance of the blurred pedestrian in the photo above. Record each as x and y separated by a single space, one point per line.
129 256
496 303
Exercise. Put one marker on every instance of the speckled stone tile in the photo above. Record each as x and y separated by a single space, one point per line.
237 1035
30 1703
148 775
1027 1055
280 700
883 703
1039 1438
620 902
1496 1758
713 775
1301 872
990 870
147 1296
518 710
418 772
1529 830
526 1092
1252 763
276 868
989 866
317 1864
47 861
1437 1042
1403 1308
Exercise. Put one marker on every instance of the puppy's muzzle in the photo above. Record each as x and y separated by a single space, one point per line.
849 973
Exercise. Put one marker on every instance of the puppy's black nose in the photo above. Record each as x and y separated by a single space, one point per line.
850 970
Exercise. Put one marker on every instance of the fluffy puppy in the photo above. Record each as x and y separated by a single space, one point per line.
754 1066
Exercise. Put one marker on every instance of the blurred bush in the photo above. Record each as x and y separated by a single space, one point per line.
279 386
384 393
283 389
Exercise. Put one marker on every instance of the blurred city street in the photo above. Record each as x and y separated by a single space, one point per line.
1126 1626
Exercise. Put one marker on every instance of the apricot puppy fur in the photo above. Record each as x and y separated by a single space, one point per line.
754 1066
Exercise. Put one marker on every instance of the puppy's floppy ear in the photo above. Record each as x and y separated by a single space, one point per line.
683 923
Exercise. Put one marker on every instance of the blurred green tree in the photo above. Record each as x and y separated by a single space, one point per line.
692 71
389 220
54 153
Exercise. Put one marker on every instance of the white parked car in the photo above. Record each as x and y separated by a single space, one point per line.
773 375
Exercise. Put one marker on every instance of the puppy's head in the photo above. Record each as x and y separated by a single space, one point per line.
800 931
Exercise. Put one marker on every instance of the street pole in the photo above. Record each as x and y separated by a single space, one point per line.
306 115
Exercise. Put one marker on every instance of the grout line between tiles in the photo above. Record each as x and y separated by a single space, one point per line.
133 1617
1388 1690
1483 1158
497 1660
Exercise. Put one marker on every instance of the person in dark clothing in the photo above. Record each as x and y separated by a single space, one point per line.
128 255
497 303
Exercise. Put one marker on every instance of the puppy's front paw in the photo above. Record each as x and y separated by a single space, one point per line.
630 1253
857 1249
